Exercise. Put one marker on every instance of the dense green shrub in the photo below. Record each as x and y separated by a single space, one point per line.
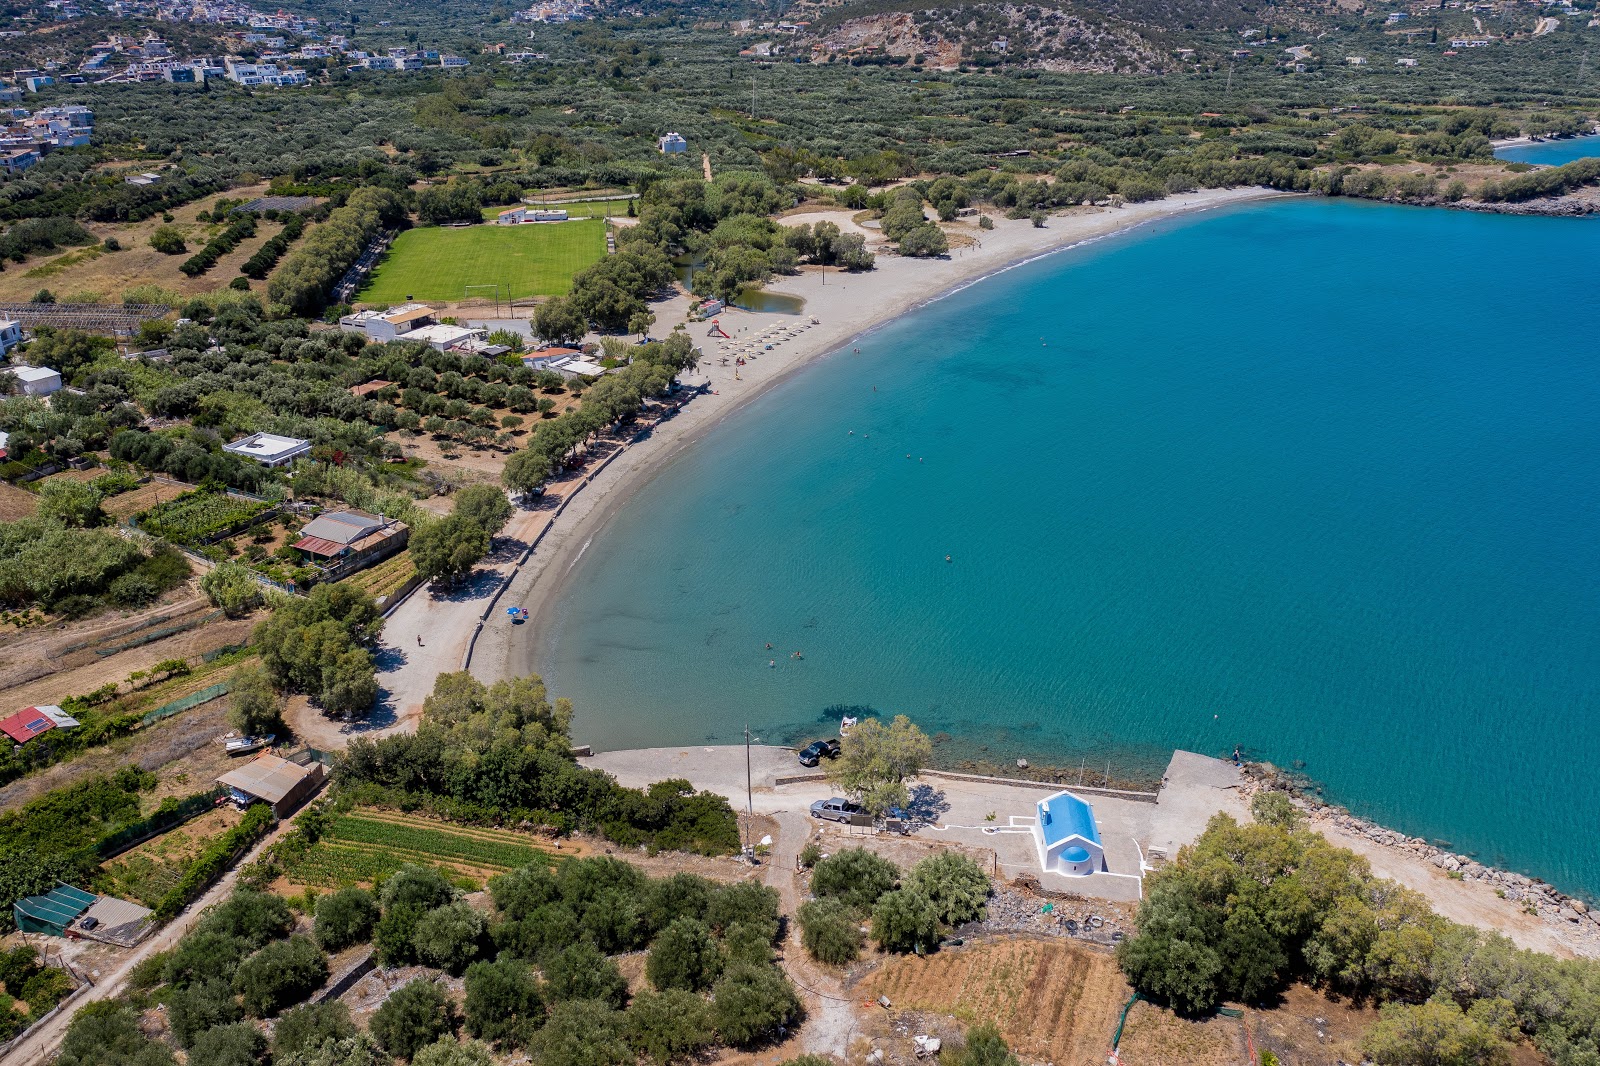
581 972
670 1026
529 774
752 1004
279 975
107 1033
414 1016
201 1006
855 877
905 920
239 1044
345 917
683 955
829 931
309 1026
448 937
504 1004
955 885
583 1032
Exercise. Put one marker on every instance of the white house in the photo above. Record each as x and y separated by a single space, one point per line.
269 449
573 366
442 337
517 215
1066 836
673 144
36 380
388 325
10 334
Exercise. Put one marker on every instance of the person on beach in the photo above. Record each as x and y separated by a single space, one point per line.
419 640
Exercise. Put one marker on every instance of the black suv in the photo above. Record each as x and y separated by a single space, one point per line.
817 750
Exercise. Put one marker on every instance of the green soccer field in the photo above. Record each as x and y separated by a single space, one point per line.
438 263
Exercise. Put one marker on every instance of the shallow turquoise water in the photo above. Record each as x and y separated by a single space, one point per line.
1553 153
1313 477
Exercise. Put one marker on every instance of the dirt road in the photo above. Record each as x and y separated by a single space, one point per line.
42 1044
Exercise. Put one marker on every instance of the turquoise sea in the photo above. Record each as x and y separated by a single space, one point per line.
1318 478
1553 153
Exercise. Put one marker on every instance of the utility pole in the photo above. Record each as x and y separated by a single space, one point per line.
749 793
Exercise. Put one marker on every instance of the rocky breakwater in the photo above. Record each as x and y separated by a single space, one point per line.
1577 922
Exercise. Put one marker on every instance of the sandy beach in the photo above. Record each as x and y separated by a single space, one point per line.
845 306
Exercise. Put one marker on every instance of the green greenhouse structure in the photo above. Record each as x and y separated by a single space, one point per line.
52 912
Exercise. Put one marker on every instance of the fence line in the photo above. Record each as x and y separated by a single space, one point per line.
194 699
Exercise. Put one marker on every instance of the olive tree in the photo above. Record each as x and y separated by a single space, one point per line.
750 1004
905 920
829 931
413 1017
684 956
875 760
345 917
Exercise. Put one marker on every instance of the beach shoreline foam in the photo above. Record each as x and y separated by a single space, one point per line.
847 307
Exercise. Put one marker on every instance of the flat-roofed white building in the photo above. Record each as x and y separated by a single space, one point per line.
388 325
36 380
442 337
269 449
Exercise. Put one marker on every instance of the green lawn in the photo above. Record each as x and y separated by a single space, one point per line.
437 263
574 208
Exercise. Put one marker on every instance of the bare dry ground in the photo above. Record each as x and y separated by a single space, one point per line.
1055 1001
184 752
77 678
16 503
1156 1036
75 273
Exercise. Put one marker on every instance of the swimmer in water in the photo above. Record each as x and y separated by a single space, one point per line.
948 559
772 663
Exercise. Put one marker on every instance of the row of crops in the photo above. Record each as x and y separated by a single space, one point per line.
365 846
201 516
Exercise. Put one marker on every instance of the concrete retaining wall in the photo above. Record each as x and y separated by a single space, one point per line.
1047 786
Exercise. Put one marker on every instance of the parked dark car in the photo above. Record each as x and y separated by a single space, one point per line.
837 809
817 750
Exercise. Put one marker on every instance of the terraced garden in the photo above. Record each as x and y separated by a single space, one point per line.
195 517
367 844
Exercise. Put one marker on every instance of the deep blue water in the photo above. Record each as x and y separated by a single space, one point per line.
1314 477
1553 153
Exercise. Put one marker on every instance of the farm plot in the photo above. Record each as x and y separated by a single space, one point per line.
1054 1001
199 516
438 263
147 872
365 845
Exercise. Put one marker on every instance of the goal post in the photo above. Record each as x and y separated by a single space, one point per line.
493 289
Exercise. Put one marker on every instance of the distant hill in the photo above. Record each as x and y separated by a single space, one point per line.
1131 36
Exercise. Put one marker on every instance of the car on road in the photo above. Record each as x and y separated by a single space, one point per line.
817 750
837 809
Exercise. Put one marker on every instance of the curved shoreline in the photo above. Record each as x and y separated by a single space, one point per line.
849 308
